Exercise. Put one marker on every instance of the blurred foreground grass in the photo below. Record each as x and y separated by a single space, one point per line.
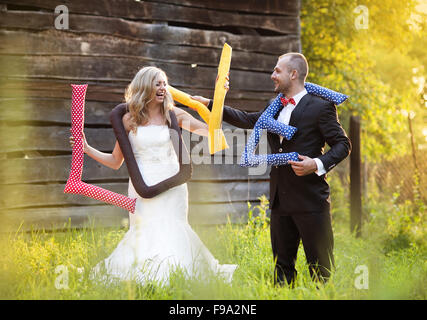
32 265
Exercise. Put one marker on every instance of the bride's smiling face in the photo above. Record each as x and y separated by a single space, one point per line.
159 88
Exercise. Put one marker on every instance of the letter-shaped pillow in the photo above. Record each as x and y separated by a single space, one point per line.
185 168
201 109
325 93
76 186
218 100
74 183
267 121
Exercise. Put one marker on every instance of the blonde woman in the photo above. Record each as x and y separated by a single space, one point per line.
159 239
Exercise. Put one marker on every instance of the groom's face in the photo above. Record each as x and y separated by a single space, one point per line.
281 76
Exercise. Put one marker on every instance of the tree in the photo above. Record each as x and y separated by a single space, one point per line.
375 65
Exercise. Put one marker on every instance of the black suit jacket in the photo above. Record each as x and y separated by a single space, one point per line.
317 123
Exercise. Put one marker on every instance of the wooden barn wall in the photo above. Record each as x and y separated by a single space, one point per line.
105 45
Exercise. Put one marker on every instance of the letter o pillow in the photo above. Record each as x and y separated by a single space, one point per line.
145 191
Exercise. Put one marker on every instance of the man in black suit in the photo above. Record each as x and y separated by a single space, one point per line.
299 193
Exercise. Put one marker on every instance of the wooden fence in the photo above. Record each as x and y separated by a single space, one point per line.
104 46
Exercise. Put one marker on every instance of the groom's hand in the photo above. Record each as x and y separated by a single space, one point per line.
206 101
201 99
304 167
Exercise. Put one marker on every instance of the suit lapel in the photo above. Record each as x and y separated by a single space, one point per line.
275 139
278 112
296 115
299 110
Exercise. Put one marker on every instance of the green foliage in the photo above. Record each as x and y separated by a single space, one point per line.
375 66
340 210
260 222
395 224
406 225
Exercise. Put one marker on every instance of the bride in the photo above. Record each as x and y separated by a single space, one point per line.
159 240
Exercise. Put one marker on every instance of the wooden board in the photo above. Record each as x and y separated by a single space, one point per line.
56 42
57 111
57 169
56 138
155 33
148 11
22 95
83 68
20 196
284 7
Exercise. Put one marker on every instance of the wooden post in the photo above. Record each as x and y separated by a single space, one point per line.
414 152
417 172
355 178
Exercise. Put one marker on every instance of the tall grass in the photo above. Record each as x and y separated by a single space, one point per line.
45 265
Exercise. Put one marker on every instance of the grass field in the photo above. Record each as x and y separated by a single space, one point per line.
45 265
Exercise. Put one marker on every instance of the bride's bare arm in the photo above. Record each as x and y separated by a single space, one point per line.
112 160
188 122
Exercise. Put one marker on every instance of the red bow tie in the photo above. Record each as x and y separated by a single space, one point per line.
287 101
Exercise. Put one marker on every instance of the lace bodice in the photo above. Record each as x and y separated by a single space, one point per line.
152 144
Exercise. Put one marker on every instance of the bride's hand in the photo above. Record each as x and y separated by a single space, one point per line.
85 144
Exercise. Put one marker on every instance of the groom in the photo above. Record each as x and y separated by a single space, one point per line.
299 193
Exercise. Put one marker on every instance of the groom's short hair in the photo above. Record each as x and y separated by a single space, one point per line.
297 62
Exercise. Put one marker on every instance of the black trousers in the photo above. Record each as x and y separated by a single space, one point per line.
315 231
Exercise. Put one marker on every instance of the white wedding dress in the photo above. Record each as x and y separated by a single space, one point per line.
159 240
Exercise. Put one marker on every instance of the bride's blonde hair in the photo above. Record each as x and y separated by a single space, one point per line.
141 91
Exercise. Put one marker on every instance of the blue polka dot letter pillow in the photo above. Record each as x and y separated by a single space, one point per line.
325 93
267 122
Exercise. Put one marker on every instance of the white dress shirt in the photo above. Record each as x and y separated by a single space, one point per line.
285 117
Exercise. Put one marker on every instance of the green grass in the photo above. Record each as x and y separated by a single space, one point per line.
30 265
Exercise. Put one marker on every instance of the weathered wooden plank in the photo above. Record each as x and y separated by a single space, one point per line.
53 110
206 214
276 7
284 7
156 33
56 138
19 138
43 88
60 218
20 196
56 42
30 90
110 216
45 195
84 68
57 169
58 110
148 11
